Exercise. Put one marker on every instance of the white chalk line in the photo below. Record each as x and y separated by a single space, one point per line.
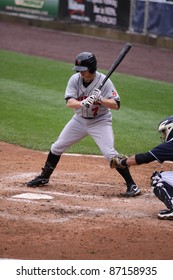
85 210
84 155
33 219
60 205
59 180
69 217
66 194
96 156
78 196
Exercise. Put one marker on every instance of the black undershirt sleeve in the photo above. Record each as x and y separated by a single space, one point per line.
66 99
118 103
144 158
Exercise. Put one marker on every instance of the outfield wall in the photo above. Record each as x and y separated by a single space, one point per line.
154 17
51 20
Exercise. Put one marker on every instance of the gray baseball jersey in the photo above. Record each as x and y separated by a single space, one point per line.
77 90
95 121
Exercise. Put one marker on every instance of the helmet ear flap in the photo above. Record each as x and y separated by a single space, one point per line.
92 70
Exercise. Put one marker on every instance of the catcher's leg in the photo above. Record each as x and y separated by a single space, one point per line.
47 170
132 188
164 192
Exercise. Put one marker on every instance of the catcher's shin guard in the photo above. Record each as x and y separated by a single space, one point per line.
164 192
47 170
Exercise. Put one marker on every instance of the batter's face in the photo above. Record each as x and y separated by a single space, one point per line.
87 76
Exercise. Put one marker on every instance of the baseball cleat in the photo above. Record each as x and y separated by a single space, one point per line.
38 181
132 190
164 211
166 215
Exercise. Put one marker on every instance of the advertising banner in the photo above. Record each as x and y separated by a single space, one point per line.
44 8
159 17
98 12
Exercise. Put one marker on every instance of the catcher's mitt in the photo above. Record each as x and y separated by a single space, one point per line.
116 161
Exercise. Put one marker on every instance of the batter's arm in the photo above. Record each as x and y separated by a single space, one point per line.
73 103
110 103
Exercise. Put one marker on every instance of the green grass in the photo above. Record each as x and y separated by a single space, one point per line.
33 110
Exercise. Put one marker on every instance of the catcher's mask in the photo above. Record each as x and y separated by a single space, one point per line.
166 128
85 61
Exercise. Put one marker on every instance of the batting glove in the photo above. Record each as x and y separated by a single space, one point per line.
97 94
88 102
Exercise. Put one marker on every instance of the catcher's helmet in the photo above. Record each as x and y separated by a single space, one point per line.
166 127
85 61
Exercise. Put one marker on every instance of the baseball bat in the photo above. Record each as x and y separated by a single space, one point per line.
117 61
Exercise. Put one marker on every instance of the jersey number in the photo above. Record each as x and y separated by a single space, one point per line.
95 110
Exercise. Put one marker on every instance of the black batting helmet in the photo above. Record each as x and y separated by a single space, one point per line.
85 61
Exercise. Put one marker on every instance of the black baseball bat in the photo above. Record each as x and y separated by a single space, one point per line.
117 61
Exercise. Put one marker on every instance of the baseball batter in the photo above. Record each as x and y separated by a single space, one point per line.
92 117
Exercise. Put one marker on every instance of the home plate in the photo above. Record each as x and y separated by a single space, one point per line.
32 196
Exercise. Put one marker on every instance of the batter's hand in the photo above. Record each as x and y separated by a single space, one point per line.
88 102
97 94
117 161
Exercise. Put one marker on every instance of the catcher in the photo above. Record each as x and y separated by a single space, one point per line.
161 182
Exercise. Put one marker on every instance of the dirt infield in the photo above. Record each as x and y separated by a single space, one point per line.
81 213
